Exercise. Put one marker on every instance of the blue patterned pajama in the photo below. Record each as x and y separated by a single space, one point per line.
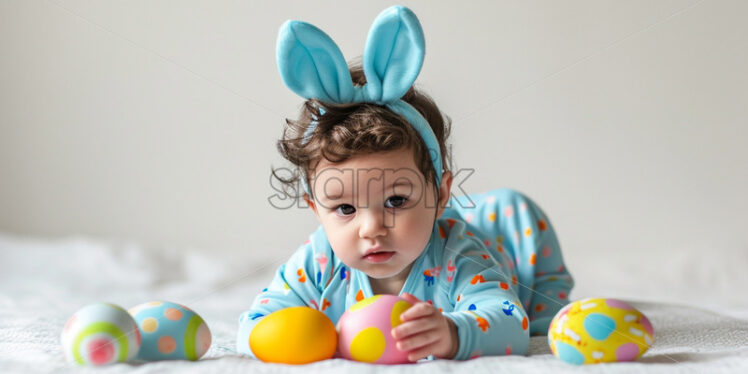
494 267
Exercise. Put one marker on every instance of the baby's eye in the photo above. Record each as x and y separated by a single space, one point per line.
395 201
345 209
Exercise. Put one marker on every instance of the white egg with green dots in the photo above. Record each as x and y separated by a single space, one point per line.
100 334
599 330
170 331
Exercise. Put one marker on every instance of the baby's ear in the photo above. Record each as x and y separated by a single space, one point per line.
311 203
445 190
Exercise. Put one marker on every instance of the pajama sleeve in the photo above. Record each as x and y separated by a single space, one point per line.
489 317
296 283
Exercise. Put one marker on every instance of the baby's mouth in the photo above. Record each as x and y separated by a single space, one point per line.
379 256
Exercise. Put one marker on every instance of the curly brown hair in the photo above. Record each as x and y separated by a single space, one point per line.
348 130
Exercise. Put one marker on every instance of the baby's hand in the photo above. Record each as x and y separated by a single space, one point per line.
425 331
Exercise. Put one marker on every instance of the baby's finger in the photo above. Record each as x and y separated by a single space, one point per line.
417 341
409 328
410 298
419 310
420 353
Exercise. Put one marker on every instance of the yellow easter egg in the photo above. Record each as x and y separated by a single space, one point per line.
599 330
297 335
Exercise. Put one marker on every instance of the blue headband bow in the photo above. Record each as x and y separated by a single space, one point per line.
312 66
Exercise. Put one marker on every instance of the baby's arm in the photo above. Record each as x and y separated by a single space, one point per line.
294 284
489 317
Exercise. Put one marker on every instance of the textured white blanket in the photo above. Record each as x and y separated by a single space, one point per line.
42 283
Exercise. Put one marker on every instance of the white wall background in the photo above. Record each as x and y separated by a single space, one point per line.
155 121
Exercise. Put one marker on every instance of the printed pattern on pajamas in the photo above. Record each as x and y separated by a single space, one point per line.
515 228
475 274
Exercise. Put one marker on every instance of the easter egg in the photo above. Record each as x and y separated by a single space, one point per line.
365 330
599 330
296 335
170 331
100 334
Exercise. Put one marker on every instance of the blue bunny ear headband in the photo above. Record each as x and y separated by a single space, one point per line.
312 65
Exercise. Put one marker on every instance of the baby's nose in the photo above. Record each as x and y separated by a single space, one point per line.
372 223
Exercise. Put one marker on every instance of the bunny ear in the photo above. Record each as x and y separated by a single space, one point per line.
393 55
311 64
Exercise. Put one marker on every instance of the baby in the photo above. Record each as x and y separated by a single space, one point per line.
482 272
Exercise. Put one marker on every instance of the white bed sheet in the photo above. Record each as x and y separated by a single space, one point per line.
701 325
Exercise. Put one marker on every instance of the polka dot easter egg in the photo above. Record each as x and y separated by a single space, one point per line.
170 332
365 330
599 330
100 334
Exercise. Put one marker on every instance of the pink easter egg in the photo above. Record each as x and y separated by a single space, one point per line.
365 330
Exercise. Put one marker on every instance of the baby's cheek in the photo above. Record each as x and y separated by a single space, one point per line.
342 242
416 228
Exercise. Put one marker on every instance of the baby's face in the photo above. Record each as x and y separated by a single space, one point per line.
377 211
